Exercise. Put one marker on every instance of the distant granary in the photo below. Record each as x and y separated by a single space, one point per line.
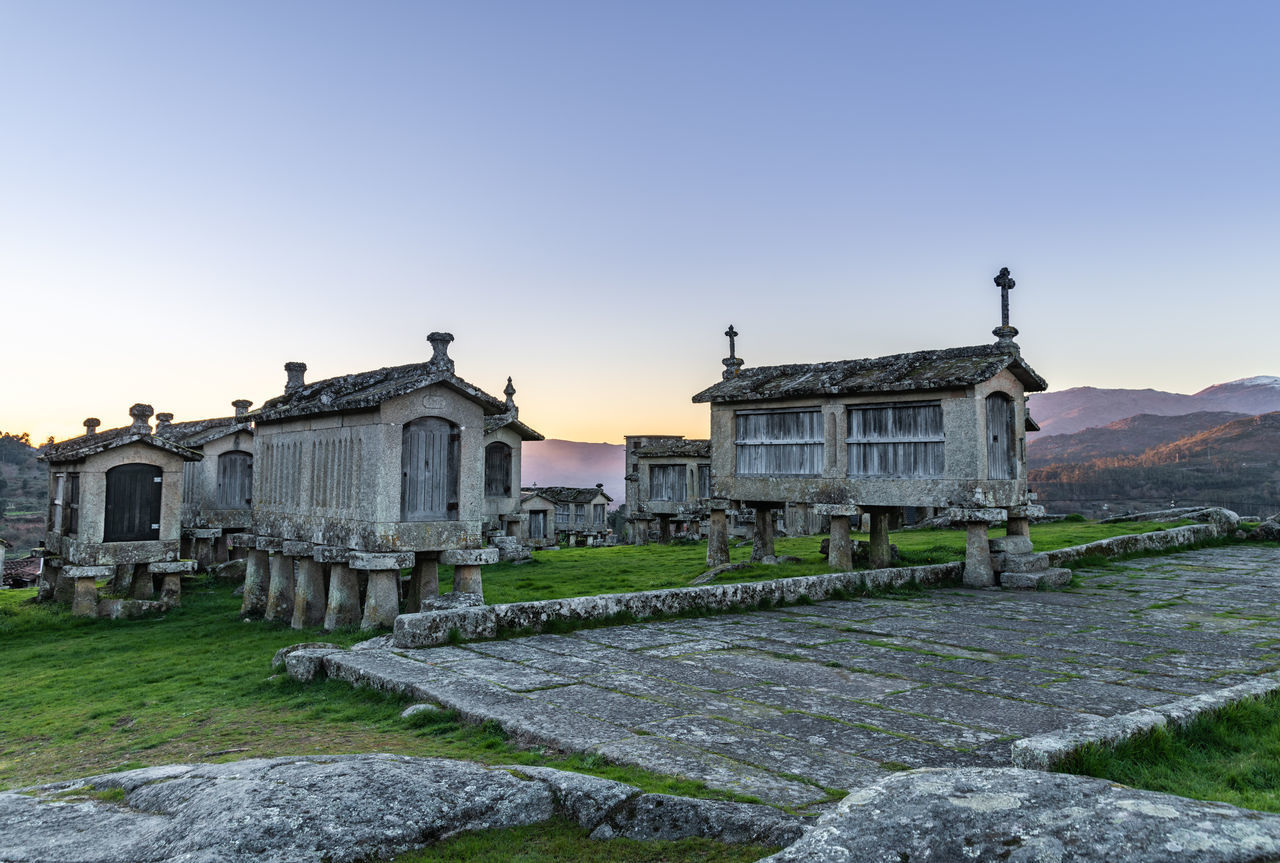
938 428
668 480
504 435
564 514
217 491
367 473
115 507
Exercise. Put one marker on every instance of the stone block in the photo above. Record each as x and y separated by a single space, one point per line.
204 532
430 628
843 509
1020 562
987 514
269 543
330 553
114 609
1011 544
171 567
89 571
242 540
469 556
1054 577
372 560
294 548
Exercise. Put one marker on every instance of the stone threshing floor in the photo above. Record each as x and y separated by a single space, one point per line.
792 704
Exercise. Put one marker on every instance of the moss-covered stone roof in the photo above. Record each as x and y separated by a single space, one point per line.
78 448
564 494
493 423
696 448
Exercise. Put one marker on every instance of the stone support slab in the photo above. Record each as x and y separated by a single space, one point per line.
466 579
382 599
269 543
84 601
309 594
840 546
242 540
205 532
280 589
343 605
424 582
371 560
296 548
846 509
977 556
254 603
170 567
89 571
330 553
718 538
968 514
879 554
468 557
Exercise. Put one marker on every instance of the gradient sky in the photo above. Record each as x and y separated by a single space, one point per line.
586 193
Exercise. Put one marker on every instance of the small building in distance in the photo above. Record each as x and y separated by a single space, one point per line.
217 491
504 435
115 511
936 428
669 481
367 473
564 515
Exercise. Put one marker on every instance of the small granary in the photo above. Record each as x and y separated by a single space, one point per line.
357 477
668 481
115 506
217 491
567 515
504 435
939 428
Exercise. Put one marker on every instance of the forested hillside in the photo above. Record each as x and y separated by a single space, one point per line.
22 493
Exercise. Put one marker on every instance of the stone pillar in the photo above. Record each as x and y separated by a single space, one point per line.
280 589
879 554
122 579
466 579
424 582
255 584
1016 523
762 541
171 588
718 534
309 594
382 602
221 551
664 529
144 585
640 526
977 556
801 527
203 553
85 601
343 608
466 567
840 546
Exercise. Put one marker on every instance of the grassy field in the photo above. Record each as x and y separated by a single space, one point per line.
626 568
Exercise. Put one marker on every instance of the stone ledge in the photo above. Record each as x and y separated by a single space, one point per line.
469 556
88 571
269 543
1160 540
296 548
330 553
172 567
203 532
376 561
242 540
1043 751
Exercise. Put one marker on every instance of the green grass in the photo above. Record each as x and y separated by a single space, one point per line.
626 568
562 840
1230 755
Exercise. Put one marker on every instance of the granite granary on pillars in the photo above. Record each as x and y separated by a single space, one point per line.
217 491
504 434
115 509
360 476
565 514
939 428
668 481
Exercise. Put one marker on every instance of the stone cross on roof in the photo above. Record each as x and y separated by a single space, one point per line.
1004 333
732 363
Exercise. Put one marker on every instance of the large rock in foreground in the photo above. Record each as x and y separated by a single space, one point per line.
339 808
1016 815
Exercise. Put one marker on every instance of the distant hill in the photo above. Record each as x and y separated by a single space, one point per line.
1236 464
566 462
23 493
1091 407
1127 437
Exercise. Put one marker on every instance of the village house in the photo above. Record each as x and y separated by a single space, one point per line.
115 511
504 435
937 428
668 480
367 474
217 491
562 515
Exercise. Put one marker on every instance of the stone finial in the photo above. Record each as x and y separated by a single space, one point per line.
732 363
440 352
510 392
1004 333
295 372
141 418
242 406
163 421
91 425
600 485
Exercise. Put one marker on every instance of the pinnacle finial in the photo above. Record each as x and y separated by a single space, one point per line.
1004 333
440 358
141 415
732 363
510 392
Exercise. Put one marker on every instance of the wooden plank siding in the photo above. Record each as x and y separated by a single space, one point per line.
1001 439
779 442
903 440
667 482
429 470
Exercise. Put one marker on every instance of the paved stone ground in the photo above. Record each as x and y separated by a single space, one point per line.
794 704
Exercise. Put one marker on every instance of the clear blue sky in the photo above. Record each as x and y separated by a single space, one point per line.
586 193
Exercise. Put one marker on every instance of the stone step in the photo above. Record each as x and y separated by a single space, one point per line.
1011 544
1020 562
1053 577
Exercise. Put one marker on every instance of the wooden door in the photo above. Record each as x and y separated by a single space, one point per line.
429 461
235 479
133 503
1000 437
538 524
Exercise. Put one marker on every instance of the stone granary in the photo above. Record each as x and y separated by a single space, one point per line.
668 480
367 473
115 510
504 435
217 491
562 514
938 428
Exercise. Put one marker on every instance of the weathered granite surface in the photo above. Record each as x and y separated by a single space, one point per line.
787 703
341 808
1022 815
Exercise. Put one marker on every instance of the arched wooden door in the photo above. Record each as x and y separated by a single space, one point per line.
133 503
429 461
235 479
1001 458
